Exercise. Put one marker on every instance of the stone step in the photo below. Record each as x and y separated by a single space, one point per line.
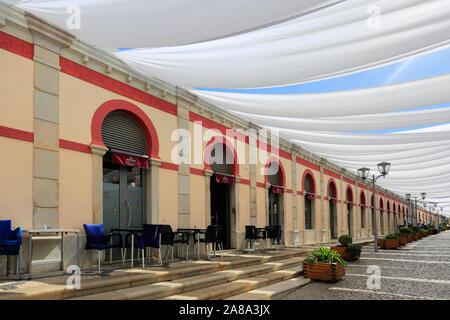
185 284
240 286
274 291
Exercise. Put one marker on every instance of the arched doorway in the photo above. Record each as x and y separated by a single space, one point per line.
221 160
362 201
275 177
332 199
349 198
388 217
382 217
309 188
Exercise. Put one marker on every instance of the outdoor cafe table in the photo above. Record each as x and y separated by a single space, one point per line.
193 232
52 231
133 231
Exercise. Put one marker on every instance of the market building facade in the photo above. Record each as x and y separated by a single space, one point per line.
85 139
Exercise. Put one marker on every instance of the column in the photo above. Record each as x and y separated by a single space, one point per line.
48 42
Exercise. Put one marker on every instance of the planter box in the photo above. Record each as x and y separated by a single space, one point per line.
345 255
403 240
410 237
391 243
435 231
323 271
381 243
416 236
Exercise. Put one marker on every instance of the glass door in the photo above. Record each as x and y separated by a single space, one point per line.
123 198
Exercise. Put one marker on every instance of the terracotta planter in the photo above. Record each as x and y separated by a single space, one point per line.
345 255
391 243
323 271
416 236
410 237
403 240
380 243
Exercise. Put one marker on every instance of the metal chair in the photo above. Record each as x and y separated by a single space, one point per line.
273 235
250 236
11 245
169 238
212 237
98 240
150 238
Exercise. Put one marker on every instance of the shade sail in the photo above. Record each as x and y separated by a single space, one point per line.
395 97
348 37
160 23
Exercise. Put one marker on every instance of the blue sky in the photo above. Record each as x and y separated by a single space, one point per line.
429 65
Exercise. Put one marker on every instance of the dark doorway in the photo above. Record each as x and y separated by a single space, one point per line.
220 209
274 208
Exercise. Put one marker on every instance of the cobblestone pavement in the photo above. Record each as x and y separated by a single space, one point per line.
417 271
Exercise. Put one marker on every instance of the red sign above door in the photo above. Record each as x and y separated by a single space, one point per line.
129 160
222 178
277 190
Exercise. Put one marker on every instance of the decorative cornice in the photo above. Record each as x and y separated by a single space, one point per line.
98 150
48 35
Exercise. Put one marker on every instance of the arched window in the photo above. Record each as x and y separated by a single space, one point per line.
309 201
363 209
332 194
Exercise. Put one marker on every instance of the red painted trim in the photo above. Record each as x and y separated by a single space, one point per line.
346 194
308 164
307 171
222 140
16 134
266 147
363 187
209 124
169 166
289 191
260 185
81 72
16 45
299 193
127 107
348 180
331 181
74 146
196 171
281 172
245 181
331 173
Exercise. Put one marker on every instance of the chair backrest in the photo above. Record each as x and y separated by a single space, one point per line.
167 234
5 229
250 232
279 232
151 235
272 232
94 229
212 234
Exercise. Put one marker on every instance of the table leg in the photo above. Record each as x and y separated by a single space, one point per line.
61 265
78 250
132 248
198 245
30 256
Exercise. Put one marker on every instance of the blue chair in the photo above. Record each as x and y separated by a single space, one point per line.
150 238
11 244
98 240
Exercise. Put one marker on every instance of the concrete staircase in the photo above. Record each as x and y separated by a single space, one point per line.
275 276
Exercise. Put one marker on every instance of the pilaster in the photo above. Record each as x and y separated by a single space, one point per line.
48 42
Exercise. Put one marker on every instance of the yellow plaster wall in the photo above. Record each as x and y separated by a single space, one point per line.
79 100
16 91
16 182
75 189
168 197
261 207
244 205
198 200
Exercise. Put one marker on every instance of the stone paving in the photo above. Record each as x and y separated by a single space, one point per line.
417 271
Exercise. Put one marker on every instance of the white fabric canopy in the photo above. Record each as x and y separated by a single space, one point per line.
401 96
369 122
335 41
159 23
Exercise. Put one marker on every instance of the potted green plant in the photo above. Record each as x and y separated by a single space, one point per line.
347 250
404 232
323 264
392 241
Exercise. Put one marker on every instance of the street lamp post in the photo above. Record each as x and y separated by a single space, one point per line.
414 213
363 174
